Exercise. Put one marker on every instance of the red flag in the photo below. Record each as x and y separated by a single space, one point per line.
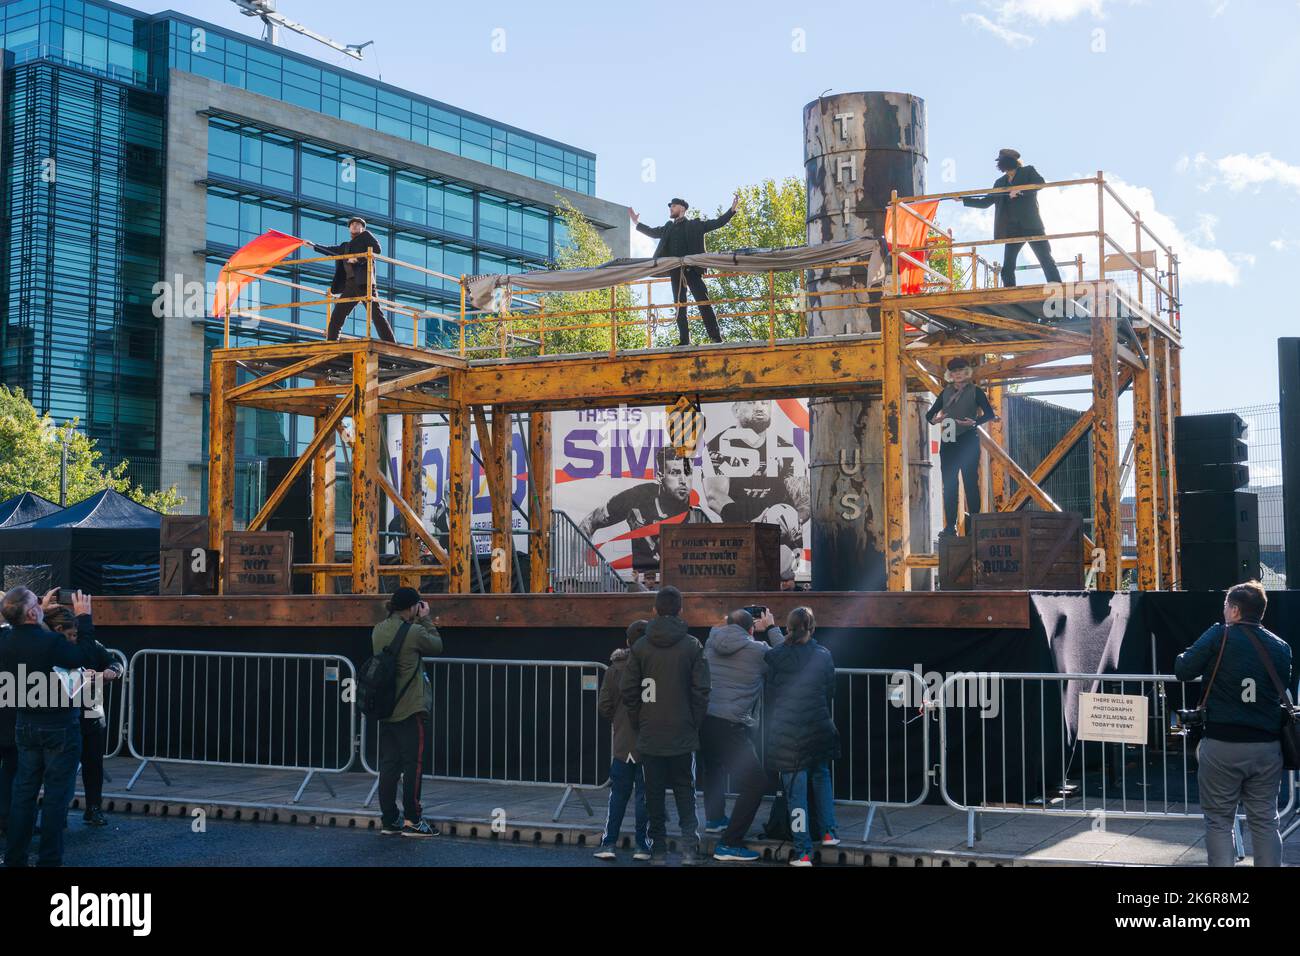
256 257
907 236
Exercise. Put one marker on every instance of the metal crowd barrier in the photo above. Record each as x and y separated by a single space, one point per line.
268 711
115 711
517 722
1023 757
884 741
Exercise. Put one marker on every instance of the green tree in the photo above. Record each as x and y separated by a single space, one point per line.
30 445
770 215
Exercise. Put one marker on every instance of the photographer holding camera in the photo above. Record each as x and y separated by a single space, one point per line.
1240 755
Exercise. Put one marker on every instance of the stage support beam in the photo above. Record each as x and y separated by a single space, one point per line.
540 476
459 494
412 490
1164 433
367 439
1105 445
997 471
221 453
1175 522
323 506
1145 453
893 414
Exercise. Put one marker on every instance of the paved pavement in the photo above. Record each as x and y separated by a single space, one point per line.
924 835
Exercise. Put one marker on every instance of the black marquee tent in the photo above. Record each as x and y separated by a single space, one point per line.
23 508
106 544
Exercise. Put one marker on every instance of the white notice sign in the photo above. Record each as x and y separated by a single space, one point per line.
1113 718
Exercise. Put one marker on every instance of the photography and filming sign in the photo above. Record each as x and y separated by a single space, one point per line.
1113 718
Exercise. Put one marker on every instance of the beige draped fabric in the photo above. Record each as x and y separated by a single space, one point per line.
486 291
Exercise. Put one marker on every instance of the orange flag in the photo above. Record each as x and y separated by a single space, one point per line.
907 237
256 257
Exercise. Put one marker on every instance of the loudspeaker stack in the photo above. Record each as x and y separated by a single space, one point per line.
1218 523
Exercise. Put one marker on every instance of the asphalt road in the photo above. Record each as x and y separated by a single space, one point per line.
137 840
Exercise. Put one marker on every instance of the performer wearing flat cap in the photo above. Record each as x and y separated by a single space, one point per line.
1016 214
680 236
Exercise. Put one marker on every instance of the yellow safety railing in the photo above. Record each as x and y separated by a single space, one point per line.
1137 269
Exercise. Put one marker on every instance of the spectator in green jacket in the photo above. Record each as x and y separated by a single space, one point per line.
401 736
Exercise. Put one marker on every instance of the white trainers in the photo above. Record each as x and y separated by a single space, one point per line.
805 860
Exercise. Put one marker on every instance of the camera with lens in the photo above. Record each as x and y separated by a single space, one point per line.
1191 719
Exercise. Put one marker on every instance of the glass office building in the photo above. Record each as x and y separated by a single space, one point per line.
97 207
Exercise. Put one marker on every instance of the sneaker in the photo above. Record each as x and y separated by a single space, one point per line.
642 854
716 826
94 817
805 860
830 839
421 829
605 852
734 854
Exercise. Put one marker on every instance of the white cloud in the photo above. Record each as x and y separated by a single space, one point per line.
1074 209
1285 245
1011 38
1049 11
1238 171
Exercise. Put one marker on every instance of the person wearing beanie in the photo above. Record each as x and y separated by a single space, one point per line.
1015 213
402 735
959 410
350 279
680 236
625 771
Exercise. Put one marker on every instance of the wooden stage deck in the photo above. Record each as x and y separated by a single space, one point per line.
953 609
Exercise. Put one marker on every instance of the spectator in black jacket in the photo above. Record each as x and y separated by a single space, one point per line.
1240 756
1015 213
666 693
8 749
46 731
350 277
680 236
77 626
625 774
801 736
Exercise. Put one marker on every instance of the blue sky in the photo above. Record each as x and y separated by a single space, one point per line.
1191 104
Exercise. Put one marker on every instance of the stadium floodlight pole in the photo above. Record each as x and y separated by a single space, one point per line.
272 21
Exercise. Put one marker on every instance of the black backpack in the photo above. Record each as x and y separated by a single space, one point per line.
377 694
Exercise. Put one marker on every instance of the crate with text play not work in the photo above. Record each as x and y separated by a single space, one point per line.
257 562
1028 551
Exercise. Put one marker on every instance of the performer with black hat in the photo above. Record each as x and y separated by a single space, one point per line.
350 279
1016 214
966 405
680 236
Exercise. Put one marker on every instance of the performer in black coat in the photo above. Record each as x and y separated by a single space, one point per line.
350 279
1016 214
680 236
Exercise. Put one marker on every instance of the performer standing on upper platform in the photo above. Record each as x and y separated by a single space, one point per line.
680 236
350 280
1016 214
966 405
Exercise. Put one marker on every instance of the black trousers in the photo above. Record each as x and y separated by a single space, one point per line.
961 456
725 749
1042 249
92 760
401 754
678 773
340 312
695 282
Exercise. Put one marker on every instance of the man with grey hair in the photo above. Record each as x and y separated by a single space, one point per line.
737 667
47 730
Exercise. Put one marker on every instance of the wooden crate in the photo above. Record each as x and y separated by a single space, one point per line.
955 569
721 557
257 562
1028 551
182 532
188 571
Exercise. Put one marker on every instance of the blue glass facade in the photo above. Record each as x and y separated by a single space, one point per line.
85 99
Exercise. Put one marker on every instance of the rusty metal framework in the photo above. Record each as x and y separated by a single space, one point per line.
1120 328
